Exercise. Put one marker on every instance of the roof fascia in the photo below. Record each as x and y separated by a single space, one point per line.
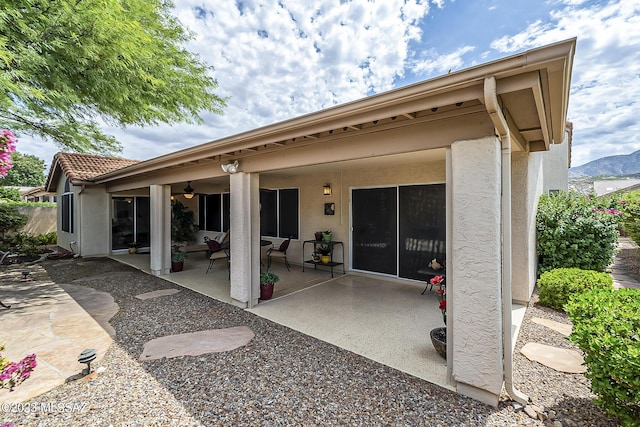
558 56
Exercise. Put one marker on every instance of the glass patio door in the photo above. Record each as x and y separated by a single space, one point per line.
374 233
398 230
130 222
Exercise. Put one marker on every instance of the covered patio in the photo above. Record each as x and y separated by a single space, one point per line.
386 320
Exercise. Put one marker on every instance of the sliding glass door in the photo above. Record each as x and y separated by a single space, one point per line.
398 230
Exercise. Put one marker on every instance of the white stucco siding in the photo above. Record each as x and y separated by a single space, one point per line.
475 289
65 238
526 186
93 206
556 166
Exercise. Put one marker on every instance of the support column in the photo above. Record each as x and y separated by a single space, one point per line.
476 270
160 206
245 239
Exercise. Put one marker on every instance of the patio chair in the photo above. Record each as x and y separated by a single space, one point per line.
280 252
221 254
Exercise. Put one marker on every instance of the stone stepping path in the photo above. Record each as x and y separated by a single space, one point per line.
560 359
197 343
562 328
158 293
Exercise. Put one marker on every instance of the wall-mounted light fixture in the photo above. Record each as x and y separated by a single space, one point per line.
326 190
231 167
188 191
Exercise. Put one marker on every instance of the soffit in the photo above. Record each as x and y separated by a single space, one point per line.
533 89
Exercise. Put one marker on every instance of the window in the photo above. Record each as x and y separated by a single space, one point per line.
67 208
279 213
214 212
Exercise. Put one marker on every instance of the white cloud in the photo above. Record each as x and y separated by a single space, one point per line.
606 73
280 59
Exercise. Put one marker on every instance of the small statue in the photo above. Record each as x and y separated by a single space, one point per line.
435 265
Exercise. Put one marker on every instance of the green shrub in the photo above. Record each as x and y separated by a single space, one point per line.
50 238
631 215
27 244
10 194
575 230
557 286
606 327
10 218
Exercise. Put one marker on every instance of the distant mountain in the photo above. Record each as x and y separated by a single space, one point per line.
610 165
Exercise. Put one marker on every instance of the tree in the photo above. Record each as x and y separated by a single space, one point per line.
66 65
28 171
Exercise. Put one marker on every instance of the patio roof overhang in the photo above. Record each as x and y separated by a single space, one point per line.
533 90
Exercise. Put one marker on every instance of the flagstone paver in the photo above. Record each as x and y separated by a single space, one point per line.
197 343
156 294
562 328
560 359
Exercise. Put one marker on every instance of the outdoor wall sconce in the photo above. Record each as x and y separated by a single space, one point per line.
231 167
188 191
326 190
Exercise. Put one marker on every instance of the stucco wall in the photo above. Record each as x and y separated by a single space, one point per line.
95 233
556 167
42 219
526 187
65 238
310 183
474 285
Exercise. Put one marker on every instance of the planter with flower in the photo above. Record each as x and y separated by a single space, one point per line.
439 335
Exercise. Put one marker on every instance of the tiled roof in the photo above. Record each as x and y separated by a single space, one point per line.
83 167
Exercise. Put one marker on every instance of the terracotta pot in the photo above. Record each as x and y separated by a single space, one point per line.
266 290
439 340
177 266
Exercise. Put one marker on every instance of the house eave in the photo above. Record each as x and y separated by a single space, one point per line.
549 65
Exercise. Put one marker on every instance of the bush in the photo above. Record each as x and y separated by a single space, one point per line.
631 215
557 286
50 238
10 218
605 327
27 244
575 230
10 194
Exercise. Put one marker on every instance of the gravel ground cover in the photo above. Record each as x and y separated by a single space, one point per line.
281 377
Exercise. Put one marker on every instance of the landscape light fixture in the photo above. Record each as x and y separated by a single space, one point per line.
231 167
326 190
188 191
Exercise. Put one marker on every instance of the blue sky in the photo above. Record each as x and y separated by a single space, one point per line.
278 59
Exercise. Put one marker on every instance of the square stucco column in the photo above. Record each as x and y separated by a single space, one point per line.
245 239
476 273
160 206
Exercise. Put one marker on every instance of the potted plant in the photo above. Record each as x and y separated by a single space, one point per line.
325 253
183 225
318 235
133 247
439 335
267 282
177 260
326 235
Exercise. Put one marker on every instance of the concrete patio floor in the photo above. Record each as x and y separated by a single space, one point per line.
383 319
